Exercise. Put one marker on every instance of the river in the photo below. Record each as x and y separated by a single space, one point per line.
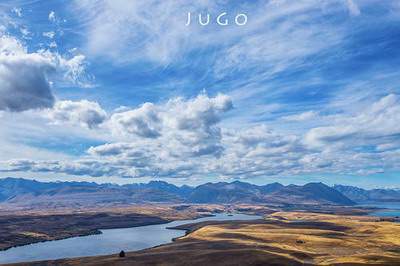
109 242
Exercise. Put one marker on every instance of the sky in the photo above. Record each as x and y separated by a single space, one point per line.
124 91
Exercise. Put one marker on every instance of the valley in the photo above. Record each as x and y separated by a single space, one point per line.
310 224
282 238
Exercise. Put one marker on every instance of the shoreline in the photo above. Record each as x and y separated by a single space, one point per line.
98 231
187 231
366 211
190 228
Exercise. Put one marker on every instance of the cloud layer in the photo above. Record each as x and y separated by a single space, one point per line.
183 138
306 87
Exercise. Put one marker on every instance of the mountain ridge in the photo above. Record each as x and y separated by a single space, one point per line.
369 195
72 193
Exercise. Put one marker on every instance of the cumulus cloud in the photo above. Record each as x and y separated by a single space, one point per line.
110 149
189 124
143 122
249 152
199 113
85 113
160 140
24 76
182 138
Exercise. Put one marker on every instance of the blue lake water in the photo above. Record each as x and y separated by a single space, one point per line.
390 209
109 242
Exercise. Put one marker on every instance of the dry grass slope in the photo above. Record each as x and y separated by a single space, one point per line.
283 238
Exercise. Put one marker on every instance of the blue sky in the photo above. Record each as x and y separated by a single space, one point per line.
124 91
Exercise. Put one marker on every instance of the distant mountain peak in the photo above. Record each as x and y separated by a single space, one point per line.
161 191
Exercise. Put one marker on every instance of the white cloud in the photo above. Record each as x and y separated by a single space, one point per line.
84 113
130 31
17 11
376 125
183 138
53 45
109 33
191 124
183 130
49 34
201 112
388 146
353 8
153 30
25 32
52 16
78 168
74 69
24 76
288 38
111 149
309 115
143 122
11 46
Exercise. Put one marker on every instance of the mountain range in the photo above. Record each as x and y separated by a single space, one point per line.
21 191
373 195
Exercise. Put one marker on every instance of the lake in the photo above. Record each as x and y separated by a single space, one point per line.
109 242
390 209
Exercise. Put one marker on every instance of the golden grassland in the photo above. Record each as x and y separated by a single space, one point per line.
282 238
332 239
